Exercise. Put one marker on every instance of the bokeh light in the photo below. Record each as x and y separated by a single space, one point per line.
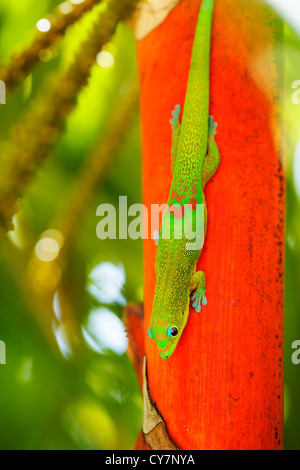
43 25
105 59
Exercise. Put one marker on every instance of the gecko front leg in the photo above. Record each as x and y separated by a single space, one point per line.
197 290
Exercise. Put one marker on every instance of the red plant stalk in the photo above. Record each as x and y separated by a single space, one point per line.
223 387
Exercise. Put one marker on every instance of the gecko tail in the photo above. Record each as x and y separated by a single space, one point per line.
197 97
207 5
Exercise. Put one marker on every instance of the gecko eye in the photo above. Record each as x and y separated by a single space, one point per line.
150 334
172 332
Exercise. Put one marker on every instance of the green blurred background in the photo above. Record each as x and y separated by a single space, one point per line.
72 386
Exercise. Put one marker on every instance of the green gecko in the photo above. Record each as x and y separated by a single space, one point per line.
195 159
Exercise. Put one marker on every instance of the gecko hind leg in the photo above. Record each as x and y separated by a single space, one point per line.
198 290
175 122
212 158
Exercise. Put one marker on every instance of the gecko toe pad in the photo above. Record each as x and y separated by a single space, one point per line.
212 125
198 299
176 115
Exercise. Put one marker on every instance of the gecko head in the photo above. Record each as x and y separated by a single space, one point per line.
166 339
166 335
171 308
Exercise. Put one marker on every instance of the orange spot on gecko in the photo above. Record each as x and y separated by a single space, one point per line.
177 211
193 202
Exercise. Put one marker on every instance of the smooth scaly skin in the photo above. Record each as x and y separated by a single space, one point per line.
195 160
